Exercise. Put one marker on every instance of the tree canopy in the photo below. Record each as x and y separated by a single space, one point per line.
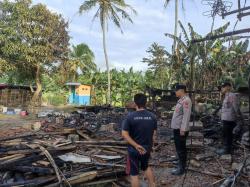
32 39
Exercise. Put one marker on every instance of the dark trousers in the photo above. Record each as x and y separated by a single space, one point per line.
180 146
228 127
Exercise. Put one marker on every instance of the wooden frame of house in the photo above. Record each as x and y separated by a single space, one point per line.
15 95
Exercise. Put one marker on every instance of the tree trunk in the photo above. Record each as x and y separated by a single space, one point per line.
75 72
192 84
175 34
36 97
107 62
176 22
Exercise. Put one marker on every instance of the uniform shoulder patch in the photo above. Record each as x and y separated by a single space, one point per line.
186 104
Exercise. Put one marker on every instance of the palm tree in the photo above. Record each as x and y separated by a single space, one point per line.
176 18
81 58
113 10
175 28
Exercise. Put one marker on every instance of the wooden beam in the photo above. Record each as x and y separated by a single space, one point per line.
30 151
235 11
222 35
239 7
241 15
17 137
32 182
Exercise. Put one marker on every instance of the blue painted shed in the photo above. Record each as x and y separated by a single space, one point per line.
80 94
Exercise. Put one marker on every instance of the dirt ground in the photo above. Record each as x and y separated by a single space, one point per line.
15 124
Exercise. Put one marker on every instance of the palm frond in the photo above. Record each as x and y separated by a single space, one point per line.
124 14
230 38
244 46
166 3
184 31
115 18
97 14
123 5
182 44
109 10
220 30
194 35
87 6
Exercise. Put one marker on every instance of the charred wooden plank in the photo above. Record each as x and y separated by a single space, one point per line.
32 169
16 137
30 151
115 173
78 179
85 136
32 182
10 157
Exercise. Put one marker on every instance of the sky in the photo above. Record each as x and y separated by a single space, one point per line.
151 22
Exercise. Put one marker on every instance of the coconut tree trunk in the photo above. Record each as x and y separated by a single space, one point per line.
106 61
36 96
192 83
176 21
175 34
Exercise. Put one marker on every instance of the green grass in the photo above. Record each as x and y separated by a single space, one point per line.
55 99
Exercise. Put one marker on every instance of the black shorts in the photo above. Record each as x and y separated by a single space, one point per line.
136 162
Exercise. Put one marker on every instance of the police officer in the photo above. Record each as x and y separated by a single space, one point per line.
180 126
229 113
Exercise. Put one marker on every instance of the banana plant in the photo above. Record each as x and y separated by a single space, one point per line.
200 63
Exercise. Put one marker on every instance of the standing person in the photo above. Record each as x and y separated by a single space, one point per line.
229 113
180 126
139 129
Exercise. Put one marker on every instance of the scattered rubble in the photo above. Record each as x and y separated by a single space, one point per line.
64 148
85 147
245 139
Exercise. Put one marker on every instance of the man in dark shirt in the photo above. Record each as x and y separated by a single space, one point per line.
138 130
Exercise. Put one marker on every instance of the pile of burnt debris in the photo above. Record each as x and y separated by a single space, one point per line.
66 149
205 167
85 148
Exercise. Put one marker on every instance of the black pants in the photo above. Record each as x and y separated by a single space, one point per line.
228 127
180 146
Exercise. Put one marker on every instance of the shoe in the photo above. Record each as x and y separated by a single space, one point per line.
223 151
178 171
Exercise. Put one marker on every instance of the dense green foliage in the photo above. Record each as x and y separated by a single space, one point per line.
205 65
33 40
34 50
